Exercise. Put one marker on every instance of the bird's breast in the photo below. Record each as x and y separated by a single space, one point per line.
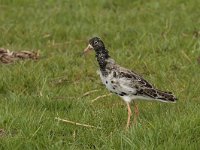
110 82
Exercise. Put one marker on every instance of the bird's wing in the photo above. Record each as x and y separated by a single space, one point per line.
132 83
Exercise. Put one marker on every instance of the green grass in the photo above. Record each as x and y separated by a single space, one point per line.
159 40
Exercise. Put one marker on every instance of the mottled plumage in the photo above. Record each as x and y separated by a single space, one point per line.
130 85
123 82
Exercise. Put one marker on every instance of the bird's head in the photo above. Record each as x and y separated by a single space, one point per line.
96 44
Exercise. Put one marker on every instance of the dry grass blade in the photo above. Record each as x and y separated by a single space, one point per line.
89 92
54 44
76 123
2 133
102 96
186 56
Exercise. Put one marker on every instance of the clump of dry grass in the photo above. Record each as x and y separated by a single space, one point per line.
7 56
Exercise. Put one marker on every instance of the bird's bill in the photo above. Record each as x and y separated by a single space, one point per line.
88 48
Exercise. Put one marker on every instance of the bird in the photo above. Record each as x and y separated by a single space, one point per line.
127 84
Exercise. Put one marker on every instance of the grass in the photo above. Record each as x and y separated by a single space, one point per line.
160 40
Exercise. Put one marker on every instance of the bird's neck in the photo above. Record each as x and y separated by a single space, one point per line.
101 56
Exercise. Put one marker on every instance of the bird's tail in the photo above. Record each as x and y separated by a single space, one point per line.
166 96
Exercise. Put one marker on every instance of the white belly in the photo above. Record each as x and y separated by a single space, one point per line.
107 82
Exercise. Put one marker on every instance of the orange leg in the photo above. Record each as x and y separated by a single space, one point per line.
129 116
136 114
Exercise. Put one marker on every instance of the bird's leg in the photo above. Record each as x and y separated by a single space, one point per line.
129 115
136 110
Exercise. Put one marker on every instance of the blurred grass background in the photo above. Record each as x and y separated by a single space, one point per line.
157 39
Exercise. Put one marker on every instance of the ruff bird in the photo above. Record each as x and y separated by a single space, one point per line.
124 82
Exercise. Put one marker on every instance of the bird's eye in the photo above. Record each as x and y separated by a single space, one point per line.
95 42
